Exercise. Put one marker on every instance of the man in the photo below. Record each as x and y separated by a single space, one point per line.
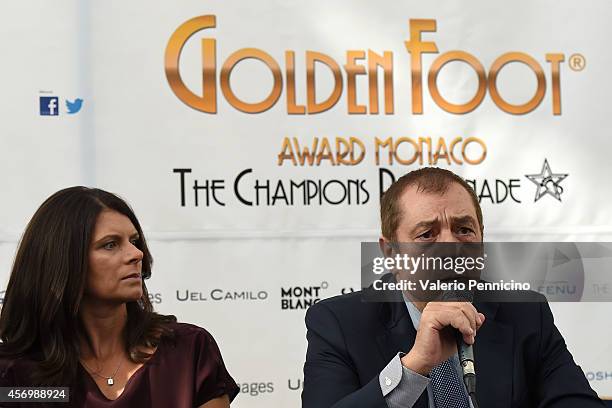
403 354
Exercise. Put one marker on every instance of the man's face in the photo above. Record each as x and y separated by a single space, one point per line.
431 217
428 218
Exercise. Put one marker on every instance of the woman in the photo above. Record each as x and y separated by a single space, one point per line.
76 313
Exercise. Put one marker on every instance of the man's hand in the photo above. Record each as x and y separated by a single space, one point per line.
435 340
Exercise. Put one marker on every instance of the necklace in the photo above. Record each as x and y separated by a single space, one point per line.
109 380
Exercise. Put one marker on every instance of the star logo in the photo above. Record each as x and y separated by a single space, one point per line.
547 182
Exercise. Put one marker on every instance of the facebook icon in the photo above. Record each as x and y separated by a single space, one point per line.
49 105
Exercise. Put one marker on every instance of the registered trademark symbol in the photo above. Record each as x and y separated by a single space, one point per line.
577 62
324 285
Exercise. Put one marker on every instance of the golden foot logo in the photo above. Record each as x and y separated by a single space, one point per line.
367 63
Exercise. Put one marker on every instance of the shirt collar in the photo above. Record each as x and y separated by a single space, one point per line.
415 314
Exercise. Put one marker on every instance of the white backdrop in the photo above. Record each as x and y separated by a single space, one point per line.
230 268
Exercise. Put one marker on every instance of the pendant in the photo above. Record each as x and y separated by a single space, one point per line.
110 381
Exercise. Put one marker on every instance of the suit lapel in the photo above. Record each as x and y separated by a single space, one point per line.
493 352
398 334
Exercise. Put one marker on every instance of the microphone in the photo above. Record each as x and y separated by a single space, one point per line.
465 351
466 358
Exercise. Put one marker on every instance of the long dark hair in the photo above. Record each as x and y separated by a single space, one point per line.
40 313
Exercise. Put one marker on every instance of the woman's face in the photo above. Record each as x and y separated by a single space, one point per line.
115 263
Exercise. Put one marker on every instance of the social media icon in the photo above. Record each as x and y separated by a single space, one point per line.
49 105
74 106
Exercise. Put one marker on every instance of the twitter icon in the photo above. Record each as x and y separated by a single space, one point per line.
75 106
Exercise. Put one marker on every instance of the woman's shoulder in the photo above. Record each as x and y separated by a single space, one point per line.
191 343
6 366
187 334
196 351
14 371
181 329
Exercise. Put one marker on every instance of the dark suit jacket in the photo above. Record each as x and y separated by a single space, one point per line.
521 358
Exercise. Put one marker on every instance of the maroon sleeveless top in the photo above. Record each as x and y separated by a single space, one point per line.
182 374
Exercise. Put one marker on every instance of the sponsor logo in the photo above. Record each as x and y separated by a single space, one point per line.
295 384
187 295
74 106
155 298
2 296
49 106
301 297
547 182
255 389
599 375
557 288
